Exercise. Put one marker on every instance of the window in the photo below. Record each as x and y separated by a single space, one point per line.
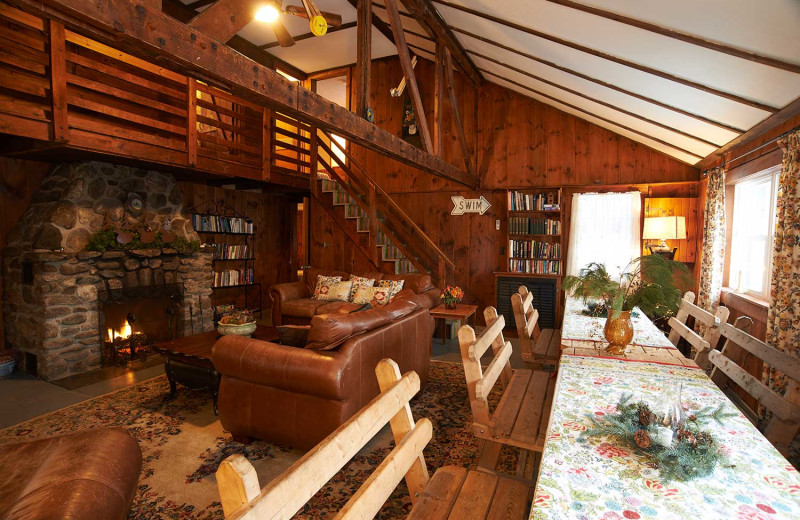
605 228
754 201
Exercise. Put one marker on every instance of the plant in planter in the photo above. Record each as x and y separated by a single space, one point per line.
241 323
652 283
451 296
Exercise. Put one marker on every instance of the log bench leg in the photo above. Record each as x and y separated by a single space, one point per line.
489 453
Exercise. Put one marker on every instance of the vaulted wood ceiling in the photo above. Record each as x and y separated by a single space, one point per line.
684 77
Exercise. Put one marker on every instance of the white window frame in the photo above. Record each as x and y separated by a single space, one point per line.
773 174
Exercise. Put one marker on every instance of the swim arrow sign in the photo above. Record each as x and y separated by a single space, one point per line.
462 205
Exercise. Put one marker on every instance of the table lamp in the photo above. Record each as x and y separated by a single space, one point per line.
663 229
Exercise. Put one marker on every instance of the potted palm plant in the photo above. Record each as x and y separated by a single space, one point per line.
652 283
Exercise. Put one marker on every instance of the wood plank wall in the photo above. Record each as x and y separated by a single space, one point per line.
522 143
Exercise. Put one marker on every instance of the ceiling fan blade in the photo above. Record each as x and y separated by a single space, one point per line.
333 19
282 34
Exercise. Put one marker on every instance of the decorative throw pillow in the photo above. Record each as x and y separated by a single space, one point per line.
339 291
363 295
324 286
395 285
381 295
359 281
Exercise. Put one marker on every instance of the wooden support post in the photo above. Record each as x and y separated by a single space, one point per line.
438 98
363 56
373 224
266 144
402 423
237 483
451 94
191 121
58 81
313 158
408 71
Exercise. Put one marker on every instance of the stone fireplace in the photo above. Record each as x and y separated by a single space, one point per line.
52 282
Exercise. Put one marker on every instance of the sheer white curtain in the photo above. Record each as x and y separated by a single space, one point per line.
605 228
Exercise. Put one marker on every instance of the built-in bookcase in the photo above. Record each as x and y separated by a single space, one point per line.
535 224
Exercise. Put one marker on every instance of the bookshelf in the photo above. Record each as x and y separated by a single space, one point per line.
231 236
533 252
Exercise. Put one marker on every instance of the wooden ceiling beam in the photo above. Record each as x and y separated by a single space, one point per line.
682 36
785 114
146 32
611 86
379 24
599 54
426 13
595 100
451 95
182 13
224 18
591 114
363 56
408 72
308 36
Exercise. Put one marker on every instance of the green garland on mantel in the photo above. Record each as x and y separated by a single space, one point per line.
106 240
694 454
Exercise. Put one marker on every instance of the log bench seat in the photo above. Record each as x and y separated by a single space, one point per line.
537 351
522 415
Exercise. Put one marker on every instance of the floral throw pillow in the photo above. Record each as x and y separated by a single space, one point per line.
339 291
395 285
324 286
362 295
381 295
359 281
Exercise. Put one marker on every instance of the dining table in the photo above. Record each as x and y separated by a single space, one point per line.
604 478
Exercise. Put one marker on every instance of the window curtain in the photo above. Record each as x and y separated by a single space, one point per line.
605 228
783 320
712 256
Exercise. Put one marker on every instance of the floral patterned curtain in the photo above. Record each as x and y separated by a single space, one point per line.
783 321
712 256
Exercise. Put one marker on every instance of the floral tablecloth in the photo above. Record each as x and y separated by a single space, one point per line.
598 479
576 326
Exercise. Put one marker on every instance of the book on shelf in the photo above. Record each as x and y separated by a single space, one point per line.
231 252
517 265
534 249
545 201
233 277
219 224
533 226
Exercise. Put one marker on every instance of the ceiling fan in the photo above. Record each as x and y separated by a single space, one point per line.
319 21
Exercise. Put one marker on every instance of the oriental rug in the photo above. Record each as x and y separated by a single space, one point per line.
183 444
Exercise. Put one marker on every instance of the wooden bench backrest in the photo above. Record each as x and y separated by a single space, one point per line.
712 322
480 382
526 318
282 498
785 421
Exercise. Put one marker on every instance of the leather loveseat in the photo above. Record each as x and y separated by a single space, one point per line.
292 303
297 396
86 475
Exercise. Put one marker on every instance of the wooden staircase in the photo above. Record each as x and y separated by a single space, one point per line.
389 254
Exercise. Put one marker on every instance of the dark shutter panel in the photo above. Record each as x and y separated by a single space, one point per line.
544 298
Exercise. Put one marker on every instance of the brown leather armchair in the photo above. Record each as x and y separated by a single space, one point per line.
292 303
297 396
89 474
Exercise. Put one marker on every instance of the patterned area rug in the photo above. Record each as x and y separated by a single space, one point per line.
183 443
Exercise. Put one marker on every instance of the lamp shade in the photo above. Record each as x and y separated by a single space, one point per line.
664 228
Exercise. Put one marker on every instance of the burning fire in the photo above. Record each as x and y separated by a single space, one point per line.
123 333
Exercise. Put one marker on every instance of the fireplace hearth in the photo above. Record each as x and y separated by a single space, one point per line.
54 287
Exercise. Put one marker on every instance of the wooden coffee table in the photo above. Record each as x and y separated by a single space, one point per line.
461 313
189 360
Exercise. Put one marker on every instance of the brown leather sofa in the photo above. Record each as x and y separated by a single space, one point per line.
292 303
297 396
90 474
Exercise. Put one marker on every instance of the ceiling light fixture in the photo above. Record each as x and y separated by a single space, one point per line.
267 13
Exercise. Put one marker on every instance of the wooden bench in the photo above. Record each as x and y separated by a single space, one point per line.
452 492
521 417
784 424
701 345
546 348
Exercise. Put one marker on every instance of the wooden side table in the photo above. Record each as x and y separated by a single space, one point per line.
461 313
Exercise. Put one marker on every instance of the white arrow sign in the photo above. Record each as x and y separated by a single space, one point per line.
462 205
